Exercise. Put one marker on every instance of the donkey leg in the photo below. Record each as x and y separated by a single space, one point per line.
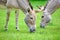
16 14
7 19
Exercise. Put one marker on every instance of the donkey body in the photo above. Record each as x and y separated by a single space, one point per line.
26 7
50 7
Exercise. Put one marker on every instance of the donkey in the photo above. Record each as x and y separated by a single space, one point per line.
48 10
27 8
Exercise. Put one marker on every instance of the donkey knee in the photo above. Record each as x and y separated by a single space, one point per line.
6 28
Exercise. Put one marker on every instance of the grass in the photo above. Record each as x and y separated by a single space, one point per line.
51 32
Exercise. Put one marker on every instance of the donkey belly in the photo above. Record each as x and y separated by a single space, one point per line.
12 4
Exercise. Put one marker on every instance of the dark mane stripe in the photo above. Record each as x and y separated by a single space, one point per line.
46 4
30 4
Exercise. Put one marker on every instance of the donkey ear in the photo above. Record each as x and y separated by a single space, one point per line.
36 11
41 9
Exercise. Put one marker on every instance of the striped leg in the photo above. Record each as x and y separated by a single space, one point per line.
16 14
7 19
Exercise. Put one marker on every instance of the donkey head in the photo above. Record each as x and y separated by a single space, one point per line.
30 20
45 19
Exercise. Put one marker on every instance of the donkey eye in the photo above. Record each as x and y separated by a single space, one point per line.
42 16
31 18
28 10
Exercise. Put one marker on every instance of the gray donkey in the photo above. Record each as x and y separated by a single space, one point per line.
27 8
48 10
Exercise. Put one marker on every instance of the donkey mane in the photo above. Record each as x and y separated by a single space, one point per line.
46 4
5 1
30 4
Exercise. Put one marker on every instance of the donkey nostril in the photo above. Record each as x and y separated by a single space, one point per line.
42 26
31 18
32 30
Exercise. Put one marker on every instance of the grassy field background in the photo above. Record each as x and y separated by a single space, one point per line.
51 32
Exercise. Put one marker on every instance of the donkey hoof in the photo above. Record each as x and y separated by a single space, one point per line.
6 29
17 29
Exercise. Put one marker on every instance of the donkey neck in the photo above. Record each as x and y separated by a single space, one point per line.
51 6
24 5
19 4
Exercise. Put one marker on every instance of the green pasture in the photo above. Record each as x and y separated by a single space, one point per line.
51 32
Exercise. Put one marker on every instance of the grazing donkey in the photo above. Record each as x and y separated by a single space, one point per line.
27 8
50 7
